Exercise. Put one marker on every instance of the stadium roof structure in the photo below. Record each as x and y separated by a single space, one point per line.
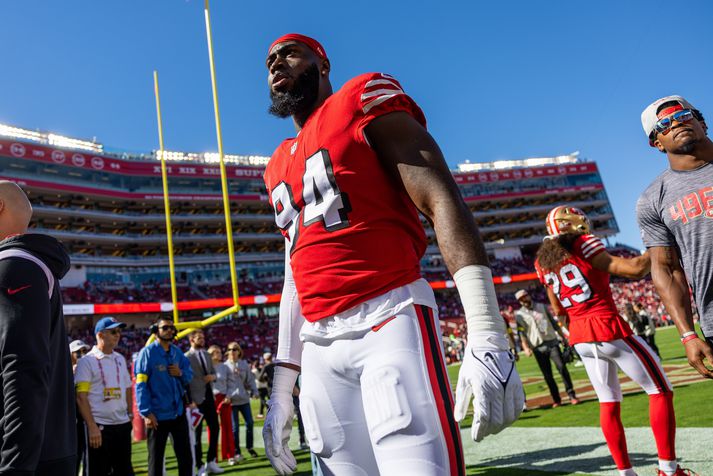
468 166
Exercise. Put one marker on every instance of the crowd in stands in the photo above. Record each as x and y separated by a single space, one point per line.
257 332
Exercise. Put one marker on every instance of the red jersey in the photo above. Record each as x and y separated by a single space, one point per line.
583 291
352 231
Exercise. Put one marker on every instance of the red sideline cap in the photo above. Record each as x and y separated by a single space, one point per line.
312 43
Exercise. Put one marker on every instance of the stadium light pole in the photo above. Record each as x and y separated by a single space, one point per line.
221 158
166 202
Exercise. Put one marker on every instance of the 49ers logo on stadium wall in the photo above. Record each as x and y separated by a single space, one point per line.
18 150
97 163
58 156
79 160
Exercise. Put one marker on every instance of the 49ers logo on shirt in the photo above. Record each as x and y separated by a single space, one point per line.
693 205
323 202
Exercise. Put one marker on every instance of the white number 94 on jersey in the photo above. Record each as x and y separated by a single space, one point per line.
490 378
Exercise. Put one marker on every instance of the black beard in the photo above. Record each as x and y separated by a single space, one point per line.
300 99
686 148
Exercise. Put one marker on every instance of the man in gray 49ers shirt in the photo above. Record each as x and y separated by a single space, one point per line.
675 214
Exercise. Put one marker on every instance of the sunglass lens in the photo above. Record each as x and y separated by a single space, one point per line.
683 116
663 125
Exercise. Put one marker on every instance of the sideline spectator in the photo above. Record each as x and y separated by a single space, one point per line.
202 396
220 389
261 388
38 432
162 373
539 337
104 399
77 350
268 371
241 386
649 326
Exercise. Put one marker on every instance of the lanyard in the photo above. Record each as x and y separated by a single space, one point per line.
101 371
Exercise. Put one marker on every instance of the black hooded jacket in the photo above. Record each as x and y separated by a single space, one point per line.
37 402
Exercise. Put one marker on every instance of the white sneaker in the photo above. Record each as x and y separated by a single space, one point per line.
231 461
202 471
239 458
213 468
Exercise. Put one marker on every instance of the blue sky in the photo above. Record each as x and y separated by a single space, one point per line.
496 79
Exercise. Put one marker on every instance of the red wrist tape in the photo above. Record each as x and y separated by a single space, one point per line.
689 338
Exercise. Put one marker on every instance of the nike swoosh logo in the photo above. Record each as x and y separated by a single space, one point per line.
500 375
10 292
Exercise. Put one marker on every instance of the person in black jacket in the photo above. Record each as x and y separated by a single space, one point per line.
37 408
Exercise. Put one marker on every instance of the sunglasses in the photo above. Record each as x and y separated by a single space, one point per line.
167 328
663 126
113 331
233 349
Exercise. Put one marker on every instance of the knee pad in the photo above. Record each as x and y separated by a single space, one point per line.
386 404
323 432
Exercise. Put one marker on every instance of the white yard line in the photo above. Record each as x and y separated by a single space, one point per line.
583 450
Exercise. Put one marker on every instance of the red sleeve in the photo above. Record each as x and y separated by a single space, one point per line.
378 94
589 246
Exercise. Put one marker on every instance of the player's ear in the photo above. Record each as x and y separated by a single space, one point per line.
659 146
325 67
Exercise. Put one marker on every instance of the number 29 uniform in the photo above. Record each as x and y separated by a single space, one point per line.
605 341
374 385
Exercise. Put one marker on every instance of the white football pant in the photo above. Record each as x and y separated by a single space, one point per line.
382 403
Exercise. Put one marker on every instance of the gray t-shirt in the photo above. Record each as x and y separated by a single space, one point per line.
677 210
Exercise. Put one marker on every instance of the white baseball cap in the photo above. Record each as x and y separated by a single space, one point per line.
649 117
77 345
521 293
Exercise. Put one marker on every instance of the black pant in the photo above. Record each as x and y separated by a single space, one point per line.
300 424
262 392
178 429
652 343
709 339
545 354
113 457
81 442
210 416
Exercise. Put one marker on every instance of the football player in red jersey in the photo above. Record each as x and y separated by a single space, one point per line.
356 317
575 267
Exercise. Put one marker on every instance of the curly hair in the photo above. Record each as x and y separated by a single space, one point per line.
554 251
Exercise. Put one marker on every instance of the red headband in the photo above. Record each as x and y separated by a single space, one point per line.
310 42
669 110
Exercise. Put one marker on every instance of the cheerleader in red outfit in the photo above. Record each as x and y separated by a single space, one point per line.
575 267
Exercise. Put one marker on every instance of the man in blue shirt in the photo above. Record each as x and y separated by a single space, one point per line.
162 374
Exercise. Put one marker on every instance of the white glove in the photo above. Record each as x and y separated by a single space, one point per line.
278 422
488 374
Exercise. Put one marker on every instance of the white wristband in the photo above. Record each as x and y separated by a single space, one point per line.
284 380
482 314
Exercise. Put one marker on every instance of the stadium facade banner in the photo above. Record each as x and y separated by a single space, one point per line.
259 299
103 192
129 195
525 173
151 167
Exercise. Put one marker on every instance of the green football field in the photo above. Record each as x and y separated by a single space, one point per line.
561 441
